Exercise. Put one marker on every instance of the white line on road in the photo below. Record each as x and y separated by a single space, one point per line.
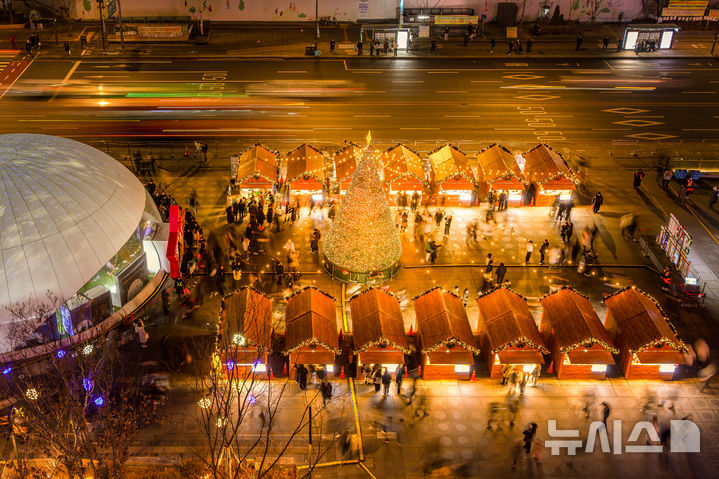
377 72
461 116
203 130
373 116
513 129
332 128
613 91
64 81
700 129
436 73
407 81
291 71
611 129
451 91
375 91
486 81
698 92
419 128
607 64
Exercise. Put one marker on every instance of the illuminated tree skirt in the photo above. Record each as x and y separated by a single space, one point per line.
343 274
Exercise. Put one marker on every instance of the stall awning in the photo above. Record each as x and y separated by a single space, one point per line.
450 357
520 356
346 161
442 321
305 161
381 357
591 356
248 318
571 319
505 319
542 164
377 321
257 163
450 163
310 319
401 163
497 163
641 323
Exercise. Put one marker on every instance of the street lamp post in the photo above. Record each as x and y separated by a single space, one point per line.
100 4
119 18
715 41
317 25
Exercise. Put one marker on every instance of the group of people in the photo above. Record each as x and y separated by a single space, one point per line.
518 379
381 378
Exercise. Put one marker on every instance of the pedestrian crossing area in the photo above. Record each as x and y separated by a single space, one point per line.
6 57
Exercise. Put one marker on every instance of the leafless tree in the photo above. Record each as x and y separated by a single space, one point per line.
593 8
239 411
80 407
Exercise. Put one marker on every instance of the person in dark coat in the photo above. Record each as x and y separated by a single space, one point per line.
301 373
377 379
399 377
597 202
543 250
326 391
638 177
230 215
500 272
386 381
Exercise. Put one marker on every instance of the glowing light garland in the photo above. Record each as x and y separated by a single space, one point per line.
521 343
383 343
251 154
559 174
657 343
504 174
294 156
450 342
363 237
448 166
313 343
411 162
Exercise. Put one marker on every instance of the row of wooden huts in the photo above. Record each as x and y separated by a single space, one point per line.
449 179
636 334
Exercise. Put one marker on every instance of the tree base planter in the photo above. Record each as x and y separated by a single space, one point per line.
347 276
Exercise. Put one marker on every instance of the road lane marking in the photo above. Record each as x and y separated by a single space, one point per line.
698 92
700 129
611 129
7 89
436 73
199 130
607 64
291 71
64 81
419 128
451 91
373 116
407 81
486 81
461 116
513 129
333 128
370 72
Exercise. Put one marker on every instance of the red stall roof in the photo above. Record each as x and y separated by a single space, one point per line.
305 161
542 164
258 161
400 162
442 321
448 162
377 321
311 320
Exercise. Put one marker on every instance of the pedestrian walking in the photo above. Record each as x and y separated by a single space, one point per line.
528 440
465 297
315 240
67 48
28 47
12 42
466 39
142 335
433 45
386 381
605 43
506 373
638 177
447 224
332 46
399 377
606 410
301 373
666 178
492 43
500 272
359 48
326 391
377 378
597 202
714 196
580 39
529 45
543 251
385 47
510 47
523 381
446 33
530 248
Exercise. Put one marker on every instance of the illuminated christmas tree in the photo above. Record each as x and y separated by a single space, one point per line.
363 240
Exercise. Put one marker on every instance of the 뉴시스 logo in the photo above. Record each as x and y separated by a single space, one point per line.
684 434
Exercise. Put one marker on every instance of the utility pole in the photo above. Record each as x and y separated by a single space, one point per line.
317 25
715 41
119 19
100 4
401 12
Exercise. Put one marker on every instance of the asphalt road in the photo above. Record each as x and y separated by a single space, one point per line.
505 99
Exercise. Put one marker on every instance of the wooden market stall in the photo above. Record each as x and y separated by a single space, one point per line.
311 335
581 346
507 332
648 344
246 332
306 175
378 329
346 161
446 342
498 170
403 173
254 172
546 168
453 177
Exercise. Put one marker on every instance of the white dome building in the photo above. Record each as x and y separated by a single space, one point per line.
66 210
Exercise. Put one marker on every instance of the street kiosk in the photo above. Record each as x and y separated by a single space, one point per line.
306 175
404 173
378 329
581 346
311 336
547 169
507 332
648 344
498 170
453 178
346 161
246 333
446 342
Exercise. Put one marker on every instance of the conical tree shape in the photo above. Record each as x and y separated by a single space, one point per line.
363 237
